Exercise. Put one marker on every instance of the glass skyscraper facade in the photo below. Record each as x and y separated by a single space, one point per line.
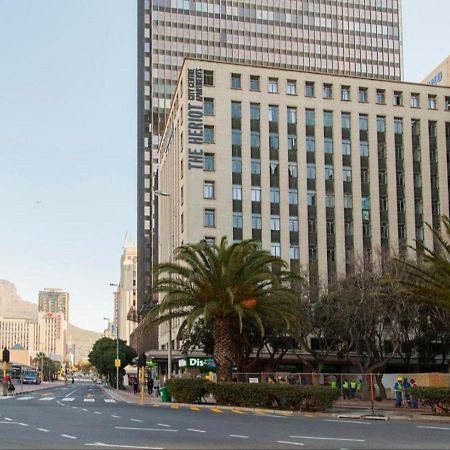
351 37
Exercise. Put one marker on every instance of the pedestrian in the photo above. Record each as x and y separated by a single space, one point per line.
398 388
345 387
406 392
150 385
156 387
413 398
136 386
352 390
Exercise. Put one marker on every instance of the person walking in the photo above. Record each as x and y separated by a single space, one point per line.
398 388
150 385
156 387
345 387
413 398
136 386
352 391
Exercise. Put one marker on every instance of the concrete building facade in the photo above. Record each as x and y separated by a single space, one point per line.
357 37
440 76
326 171
52 335
18 331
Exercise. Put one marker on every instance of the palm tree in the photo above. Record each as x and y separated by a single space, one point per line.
229 286
430 281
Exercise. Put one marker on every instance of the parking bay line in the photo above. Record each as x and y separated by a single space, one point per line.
328 438
145 429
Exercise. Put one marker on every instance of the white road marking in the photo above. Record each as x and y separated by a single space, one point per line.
8 419
145 429
70 393
43 429
109 400
25 398
89 400
270 415
115 417
347 421
46 399
292 443
101 444
83 409
238 436
163 425
327 438
136 420
22 424
97 412
68 436
197 431
74 407
68 399
433 428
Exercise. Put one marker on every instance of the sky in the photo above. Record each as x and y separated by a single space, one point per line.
68 140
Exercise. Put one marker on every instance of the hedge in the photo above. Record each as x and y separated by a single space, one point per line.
187 390
438 399
280 396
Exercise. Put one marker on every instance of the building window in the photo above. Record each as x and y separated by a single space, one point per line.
382 178
311 171
327 90
236 111
254 83
328 119
432 103
364 148
398 98
293 197
273 113
310 144
209 218
275 223
274 141
328 145
381 97
312 253
365 176
330 227
362 95
256 222
345 93
329 172
347 173
293 224
348 201
274 195
208 106
236 81
208 161
208 189
255 111
366 229
401 205
310 118
236 164
211 241
363 122
415 103
294 252
293 170
381 124
365 202
384 205
273 85
346 147
291 87
398 126
345 121
329 200
236 192
311 198
311 226
331 254
447 103
209 134
237 220
401 231
292 115
255 168
348 228
208 78
309 89
256 194
275 249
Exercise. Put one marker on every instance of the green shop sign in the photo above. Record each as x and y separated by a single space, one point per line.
204 363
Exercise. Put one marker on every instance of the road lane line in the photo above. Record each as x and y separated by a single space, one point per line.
346 421
43 429
70 393
8 419
327 438
101 444
291 443
22 424
68 436
136 420
115 417
433 428
97 412
197 431
145 429
163 425
238 436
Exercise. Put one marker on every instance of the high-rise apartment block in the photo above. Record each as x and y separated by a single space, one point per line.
326 171
54 300
351 37
20 332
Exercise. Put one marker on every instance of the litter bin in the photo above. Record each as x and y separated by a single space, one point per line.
165 397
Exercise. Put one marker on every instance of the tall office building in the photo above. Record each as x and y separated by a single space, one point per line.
55 301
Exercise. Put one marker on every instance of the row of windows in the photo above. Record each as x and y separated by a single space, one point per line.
310 89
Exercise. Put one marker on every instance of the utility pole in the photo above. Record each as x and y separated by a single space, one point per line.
116 298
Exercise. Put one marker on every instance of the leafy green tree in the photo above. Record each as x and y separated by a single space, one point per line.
230 285
103 354
430 280
48 367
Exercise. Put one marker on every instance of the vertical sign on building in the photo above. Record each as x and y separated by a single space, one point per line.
195 118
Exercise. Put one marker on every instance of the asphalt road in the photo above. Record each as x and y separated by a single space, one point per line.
81 416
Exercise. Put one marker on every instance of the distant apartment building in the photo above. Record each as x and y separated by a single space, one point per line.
52 335
125 302
359 37
324 170
440 76
22 332
54 300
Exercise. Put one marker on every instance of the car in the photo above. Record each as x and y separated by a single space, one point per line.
99 381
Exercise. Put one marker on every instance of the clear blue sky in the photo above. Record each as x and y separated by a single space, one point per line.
68 139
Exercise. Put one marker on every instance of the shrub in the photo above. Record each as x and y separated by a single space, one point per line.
438 399
187 390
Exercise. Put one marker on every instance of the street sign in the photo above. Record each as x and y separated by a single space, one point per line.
203 363
117 362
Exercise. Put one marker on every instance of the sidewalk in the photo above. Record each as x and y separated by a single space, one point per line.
128 396
27 388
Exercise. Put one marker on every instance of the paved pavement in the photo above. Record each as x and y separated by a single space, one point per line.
86 416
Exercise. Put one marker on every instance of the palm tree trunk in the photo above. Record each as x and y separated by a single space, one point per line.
223 347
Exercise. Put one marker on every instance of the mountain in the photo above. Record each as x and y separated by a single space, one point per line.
14 307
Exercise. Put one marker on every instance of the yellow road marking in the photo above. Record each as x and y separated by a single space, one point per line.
217 410
156 405
195 408
308 415
260 414
285 413
46 394
174 406
238 411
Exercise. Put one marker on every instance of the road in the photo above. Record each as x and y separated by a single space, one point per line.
82 416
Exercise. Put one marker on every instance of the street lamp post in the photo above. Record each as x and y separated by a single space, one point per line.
169 350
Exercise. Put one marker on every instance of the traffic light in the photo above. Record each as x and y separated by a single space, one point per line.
5 355
142 360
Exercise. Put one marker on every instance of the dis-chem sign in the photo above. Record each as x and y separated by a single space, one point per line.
202 363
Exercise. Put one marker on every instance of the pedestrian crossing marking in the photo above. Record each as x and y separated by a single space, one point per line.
47 399
25 398
109 400
68 399
89 400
